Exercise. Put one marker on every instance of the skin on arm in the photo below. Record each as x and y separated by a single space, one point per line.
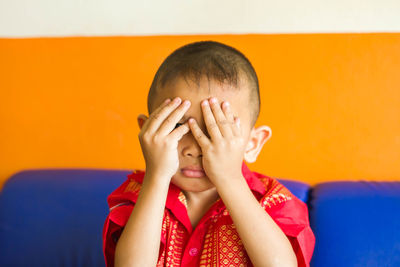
139 242
264 241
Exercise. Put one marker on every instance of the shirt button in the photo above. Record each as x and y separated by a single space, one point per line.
193 251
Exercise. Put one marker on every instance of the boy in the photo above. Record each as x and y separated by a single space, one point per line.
197 203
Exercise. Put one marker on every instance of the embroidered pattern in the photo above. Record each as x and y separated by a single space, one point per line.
275 193
175 239
223 247
182 199
133 187
166 221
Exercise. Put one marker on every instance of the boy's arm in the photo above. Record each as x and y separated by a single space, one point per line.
264 241
139 242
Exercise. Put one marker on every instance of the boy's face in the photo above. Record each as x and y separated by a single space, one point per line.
189 151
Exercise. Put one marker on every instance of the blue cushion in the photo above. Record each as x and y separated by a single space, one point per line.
299 189
356 223
55 217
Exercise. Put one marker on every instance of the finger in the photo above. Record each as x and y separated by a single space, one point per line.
198 134
229 115
147 122
211 124
169 123
179 132
222 122
157 117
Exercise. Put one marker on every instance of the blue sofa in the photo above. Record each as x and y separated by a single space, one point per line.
54 217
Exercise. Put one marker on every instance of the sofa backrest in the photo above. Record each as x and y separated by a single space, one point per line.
356 223
55 217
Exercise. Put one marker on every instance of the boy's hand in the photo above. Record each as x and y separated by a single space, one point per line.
223 152
159 139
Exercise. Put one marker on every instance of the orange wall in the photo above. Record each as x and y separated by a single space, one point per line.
331 100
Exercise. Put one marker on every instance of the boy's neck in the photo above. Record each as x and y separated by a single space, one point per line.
201 198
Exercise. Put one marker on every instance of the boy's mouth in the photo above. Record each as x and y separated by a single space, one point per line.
193 172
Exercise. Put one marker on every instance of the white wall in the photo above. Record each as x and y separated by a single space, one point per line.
35 18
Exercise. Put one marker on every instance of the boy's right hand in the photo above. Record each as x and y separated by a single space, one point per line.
159 140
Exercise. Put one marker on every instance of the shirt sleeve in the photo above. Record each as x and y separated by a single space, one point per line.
113 227
292 217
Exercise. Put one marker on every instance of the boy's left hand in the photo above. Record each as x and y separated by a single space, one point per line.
223 152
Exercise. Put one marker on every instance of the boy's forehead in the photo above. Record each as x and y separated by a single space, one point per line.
197 92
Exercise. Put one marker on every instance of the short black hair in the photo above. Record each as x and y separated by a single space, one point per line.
212 59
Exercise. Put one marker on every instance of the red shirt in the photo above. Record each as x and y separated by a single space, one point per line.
214 241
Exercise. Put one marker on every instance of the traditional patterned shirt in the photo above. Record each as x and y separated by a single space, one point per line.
215 240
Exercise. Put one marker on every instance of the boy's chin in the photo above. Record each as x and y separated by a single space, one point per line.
192 184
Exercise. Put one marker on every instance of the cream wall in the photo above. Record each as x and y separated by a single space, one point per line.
27 18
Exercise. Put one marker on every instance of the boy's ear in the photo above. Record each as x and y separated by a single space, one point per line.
141 120
258 137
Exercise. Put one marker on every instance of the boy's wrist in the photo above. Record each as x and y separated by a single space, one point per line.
229 180
234 173
156 179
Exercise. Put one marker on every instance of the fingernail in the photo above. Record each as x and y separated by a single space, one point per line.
205 103
167 100
226 104
186 103
191 120
177 100
213 100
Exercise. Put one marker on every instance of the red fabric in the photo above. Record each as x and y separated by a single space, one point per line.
215 240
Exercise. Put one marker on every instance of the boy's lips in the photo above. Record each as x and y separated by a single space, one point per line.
193 171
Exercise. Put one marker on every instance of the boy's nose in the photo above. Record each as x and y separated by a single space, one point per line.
194 154
192 148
